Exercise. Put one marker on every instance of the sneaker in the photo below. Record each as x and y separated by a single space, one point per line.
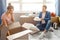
42 35
51 29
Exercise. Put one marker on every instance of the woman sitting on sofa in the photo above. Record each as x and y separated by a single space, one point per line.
7 17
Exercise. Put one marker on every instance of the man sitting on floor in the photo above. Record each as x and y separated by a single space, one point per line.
44 23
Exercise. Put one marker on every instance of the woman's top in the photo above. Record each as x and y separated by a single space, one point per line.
7 18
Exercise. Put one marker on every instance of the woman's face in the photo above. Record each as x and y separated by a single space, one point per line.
10 10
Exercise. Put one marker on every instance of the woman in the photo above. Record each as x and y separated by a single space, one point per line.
7 17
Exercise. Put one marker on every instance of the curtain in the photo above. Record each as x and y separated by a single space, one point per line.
2 8
58 7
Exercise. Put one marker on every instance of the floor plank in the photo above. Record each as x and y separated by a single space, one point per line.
49 36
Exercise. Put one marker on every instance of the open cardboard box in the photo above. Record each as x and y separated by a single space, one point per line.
15 28
23 35
17 32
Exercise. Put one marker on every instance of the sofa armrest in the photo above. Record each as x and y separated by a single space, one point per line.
55 19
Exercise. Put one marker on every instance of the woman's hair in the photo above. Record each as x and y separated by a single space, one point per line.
10 7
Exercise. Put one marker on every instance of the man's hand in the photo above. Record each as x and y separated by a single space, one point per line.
42 18
43 21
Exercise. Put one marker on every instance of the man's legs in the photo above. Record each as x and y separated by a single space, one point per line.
46 29
48 25
40 27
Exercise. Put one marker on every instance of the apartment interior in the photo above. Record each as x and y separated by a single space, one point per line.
24 13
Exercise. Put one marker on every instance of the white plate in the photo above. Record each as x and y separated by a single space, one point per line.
37 19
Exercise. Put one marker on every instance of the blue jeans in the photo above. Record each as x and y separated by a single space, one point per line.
45 26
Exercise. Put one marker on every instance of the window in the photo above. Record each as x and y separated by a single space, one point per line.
50 5
16 7
15 4
12 1
31 5
30 1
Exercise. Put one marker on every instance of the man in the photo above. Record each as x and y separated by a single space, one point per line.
44 24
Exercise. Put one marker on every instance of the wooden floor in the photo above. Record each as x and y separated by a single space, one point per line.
49 36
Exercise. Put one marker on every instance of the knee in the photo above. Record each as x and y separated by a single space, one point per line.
49 22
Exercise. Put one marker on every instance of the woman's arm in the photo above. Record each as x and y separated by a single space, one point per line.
4 22
12 18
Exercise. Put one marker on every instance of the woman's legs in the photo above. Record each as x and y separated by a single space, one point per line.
8 33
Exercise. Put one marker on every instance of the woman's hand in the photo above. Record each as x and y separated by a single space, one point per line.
12 18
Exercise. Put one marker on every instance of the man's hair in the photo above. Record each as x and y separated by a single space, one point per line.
45 6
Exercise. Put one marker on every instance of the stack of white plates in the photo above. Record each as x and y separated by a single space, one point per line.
37 19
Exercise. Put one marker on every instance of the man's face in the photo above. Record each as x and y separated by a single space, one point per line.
43 9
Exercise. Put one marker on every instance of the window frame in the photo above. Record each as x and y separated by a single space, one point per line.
21 4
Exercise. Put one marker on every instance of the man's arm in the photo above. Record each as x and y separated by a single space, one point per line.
40 15
48 18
